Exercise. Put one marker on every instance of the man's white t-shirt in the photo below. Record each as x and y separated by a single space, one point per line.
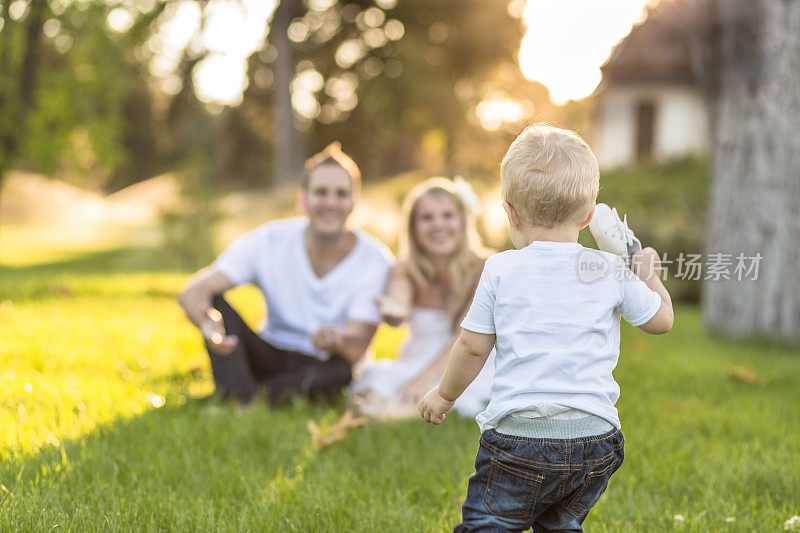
273 257
555 309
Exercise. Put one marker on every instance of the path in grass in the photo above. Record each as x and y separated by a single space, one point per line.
92 345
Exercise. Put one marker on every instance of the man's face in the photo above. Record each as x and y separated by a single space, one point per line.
328 201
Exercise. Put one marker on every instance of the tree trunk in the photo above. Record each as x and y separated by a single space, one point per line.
289 150
755 169
17 107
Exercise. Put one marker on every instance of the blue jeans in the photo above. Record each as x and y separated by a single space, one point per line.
546 484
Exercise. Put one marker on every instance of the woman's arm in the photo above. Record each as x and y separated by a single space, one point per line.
421 383
417 387
395 305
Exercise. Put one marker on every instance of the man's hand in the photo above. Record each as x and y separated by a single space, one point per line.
392 312
213 331
329 339
415 389
433 407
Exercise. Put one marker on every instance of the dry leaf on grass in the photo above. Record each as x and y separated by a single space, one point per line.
745 374
337 432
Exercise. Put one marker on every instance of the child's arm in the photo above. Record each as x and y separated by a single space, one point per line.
646 265
466 361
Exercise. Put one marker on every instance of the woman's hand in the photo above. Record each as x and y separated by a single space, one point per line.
414 390
432 407
392 312
213 331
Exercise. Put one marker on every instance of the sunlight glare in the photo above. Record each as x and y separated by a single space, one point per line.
567 41
565 44
233 30
493 113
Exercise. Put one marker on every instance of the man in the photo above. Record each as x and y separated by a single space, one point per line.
318 279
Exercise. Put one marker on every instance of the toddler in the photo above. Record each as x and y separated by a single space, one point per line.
550 436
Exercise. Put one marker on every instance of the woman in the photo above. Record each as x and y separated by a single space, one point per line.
431 288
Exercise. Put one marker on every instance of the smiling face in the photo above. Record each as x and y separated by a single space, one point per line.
438 225
328 199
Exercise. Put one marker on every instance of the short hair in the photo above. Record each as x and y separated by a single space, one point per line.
332 155
549 175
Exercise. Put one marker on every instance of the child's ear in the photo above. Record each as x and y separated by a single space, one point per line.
513 217
587 220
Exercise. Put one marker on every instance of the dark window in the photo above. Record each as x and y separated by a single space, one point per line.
645 126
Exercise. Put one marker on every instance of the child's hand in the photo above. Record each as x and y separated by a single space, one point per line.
432 407
646 263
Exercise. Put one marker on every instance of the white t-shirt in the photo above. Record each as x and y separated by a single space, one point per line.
273 257
555 309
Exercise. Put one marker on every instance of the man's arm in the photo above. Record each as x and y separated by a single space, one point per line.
196 301
469 354
349 341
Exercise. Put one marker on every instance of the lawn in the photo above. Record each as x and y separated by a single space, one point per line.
98 430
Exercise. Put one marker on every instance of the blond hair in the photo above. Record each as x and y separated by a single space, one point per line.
332 155
550 176
464 265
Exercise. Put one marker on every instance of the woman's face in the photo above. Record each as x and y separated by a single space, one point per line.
328 201
437 225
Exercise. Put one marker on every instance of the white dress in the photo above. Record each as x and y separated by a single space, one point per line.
430 330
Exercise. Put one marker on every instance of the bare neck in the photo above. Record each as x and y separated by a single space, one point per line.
322 244
561 233
440 265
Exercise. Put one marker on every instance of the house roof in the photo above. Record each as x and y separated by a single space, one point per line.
655 51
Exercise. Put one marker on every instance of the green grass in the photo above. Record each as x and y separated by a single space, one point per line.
92 343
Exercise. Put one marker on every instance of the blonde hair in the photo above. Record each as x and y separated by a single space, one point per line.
332 155
550 176
465 264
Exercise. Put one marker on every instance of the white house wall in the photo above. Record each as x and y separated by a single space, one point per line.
682 126
681 123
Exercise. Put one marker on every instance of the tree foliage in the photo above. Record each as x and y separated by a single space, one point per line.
397 82
70 89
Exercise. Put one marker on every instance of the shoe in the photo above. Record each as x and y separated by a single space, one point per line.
612 234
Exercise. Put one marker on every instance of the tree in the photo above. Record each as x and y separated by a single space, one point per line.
752 63
19 64
396 82
289 150
73 96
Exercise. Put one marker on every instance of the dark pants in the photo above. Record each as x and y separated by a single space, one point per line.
284 373
546 484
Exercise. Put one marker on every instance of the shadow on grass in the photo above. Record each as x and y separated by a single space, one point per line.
132 272
112 261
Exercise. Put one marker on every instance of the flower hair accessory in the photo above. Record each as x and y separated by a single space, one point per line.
467 195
